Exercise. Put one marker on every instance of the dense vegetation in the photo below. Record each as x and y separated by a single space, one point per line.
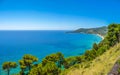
100 30
101 65
54 64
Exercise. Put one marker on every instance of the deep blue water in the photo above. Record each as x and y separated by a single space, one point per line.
14 44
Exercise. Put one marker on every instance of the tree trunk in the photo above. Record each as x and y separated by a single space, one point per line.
22 72
8 72
29 67
119 37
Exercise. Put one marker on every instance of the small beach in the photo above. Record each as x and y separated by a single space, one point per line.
100 36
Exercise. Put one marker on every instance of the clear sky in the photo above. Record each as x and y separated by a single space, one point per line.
57 14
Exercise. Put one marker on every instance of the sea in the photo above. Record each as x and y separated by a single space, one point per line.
40 43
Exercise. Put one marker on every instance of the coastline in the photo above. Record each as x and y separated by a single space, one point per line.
100 36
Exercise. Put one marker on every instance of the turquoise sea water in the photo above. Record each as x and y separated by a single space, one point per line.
14 44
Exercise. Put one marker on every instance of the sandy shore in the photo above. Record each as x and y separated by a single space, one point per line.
100 36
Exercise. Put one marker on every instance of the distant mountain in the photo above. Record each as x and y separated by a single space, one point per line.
100 30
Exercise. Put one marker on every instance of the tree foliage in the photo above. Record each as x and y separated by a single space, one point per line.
8 66
111 39
26 62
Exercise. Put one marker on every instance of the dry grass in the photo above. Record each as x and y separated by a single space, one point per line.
100 66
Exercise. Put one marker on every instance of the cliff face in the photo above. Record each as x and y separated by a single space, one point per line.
115 69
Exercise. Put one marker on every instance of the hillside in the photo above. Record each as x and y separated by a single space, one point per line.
100 30
101 58
99 66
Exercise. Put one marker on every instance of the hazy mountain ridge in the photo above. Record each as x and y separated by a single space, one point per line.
99 30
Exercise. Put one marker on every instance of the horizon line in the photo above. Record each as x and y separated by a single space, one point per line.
33 29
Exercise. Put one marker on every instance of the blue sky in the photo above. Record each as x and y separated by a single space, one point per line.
57 14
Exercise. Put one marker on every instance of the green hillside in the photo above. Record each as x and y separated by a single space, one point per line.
100 30
99 66
100 59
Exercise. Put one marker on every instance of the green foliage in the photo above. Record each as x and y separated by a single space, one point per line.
27 62
56 58
50 65
111 39
95 46
119 71
69 62
113 35
119 64
79 59
49 69
36 70
8 66
100 30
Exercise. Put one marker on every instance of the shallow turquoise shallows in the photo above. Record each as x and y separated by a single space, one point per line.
14 44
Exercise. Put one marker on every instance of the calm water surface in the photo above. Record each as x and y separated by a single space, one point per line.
14 44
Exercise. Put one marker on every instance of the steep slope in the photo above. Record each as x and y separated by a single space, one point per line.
100 66
116 69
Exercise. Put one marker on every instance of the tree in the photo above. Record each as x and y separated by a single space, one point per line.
38 70
69 62
8 66
117 32
27 62
51 57
51 69
79 59
113 35
95 47
56 58
22 66
60 59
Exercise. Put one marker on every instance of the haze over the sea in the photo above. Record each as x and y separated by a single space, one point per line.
57 14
